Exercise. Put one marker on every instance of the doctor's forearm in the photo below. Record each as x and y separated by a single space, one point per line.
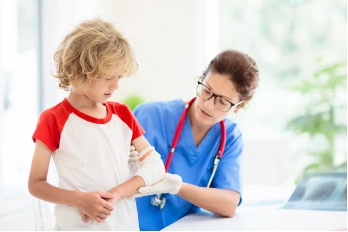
220 201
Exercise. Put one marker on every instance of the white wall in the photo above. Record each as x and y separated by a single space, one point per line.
1 100
168 38
7 58
17 122
267 162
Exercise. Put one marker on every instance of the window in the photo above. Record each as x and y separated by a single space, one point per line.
290 41
19 100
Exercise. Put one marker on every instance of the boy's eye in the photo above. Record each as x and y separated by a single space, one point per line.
111 78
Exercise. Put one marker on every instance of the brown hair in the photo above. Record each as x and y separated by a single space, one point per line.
93 50
241 70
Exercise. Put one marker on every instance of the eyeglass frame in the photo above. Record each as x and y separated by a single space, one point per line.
215 96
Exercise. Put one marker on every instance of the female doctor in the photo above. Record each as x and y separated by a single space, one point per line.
197 141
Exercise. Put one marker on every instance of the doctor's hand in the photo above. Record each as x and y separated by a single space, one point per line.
133 160
170 183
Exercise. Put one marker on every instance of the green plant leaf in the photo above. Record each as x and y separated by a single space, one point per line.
133 100
318 119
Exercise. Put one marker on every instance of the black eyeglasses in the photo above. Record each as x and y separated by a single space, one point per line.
220 102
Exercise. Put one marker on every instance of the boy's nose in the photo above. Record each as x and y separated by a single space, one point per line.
115 84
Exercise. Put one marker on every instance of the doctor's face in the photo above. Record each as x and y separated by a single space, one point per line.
206 111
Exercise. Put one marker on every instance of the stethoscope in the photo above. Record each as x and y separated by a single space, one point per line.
159 200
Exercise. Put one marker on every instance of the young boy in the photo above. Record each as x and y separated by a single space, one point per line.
89 138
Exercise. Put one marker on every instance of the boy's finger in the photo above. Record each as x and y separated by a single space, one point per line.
98 219
108 206
106 195
84 217
106 212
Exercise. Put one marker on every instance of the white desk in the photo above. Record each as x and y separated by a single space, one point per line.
264 218
261 210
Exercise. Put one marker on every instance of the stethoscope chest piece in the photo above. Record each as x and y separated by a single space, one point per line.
159 201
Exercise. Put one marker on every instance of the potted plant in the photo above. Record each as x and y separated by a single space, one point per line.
323 107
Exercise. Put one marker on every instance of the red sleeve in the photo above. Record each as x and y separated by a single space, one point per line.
49 127
127 117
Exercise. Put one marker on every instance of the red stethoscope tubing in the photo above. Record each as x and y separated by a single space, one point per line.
178 132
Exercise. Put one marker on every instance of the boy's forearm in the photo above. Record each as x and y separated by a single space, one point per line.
151 166
129 187
47 192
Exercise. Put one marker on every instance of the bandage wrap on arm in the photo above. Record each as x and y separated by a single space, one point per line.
151 166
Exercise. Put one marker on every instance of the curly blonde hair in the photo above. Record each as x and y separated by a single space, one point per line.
93 50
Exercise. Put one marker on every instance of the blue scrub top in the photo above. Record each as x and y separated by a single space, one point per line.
193 164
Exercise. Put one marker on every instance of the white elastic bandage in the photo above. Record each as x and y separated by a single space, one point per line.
151 166
142 153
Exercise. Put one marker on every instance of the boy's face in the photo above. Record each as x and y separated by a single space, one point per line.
101 90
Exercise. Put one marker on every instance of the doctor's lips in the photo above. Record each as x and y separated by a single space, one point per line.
107 94
205 113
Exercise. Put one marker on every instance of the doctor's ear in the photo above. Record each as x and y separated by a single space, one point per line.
240 106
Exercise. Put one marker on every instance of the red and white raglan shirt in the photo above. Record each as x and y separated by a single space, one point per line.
91 154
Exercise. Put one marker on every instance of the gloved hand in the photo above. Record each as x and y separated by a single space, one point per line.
133 154
170 183
133 160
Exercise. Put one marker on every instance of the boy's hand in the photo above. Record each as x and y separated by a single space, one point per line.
84 217
116 197
94 205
